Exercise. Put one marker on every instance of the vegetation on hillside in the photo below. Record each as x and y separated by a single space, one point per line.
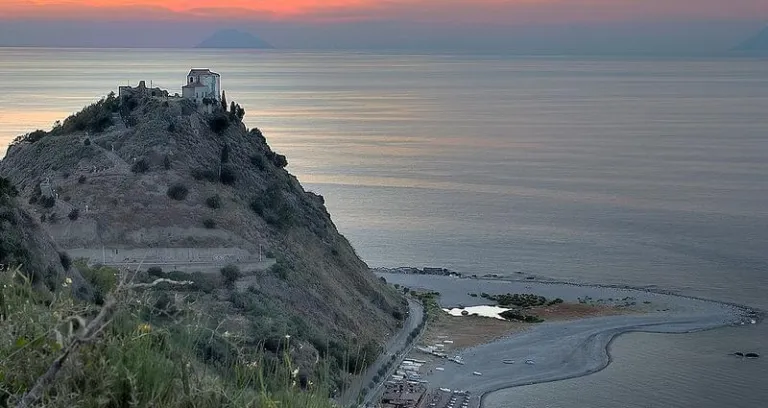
94 118
16 244
198 167
139 349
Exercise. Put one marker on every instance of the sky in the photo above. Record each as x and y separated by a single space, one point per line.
386 23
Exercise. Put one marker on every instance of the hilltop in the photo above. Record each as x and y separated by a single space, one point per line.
234 39
186 191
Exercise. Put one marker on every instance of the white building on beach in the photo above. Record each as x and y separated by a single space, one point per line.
202 84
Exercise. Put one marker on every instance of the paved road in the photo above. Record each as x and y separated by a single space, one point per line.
394 346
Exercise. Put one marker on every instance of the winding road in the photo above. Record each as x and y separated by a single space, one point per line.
397 345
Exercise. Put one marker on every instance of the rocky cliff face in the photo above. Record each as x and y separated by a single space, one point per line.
192 189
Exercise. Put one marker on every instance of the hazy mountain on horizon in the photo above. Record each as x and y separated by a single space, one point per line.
670 38
756 43
230 38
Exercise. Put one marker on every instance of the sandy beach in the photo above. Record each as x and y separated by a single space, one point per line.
557 350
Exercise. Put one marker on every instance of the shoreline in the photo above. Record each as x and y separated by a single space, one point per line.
759 313
563 350
609 361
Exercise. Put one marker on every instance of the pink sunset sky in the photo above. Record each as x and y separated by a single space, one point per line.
557 26
461 11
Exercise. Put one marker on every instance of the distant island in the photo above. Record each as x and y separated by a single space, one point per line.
756 43
234 39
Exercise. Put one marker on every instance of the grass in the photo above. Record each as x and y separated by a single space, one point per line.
138 360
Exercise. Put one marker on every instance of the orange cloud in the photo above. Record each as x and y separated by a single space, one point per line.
497 11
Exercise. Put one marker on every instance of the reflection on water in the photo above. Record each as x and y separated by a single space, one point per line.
643 172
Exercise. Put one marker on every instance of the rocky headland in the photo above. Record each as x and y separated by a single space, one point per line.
184 190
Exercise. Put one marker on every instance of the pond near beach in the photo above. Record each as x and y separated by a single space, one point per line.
483 311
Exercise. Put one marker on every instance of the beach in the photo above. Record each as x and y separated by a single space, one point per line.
558 350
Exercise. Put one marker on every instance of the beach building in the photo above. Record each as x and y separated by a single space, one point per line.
202 84
403 395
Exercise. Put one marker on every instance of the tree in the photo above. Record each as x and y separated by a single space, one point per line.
232 108
227 175
230 273
141 166
240 112
213 201
178 192
225 154
7 188
223 101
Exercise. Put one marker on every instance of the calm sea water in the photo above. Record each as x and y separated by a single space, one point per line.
647 172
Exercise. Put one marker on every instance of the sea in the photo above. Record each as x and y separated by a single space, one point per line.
650 172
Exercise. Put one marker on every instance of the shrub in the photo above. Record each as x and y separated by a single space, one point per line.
171 127
167 162
81 180
87 141
156 272
65 260
514 315
203 282
209 223
219 123
228 175
53 218
230 273
277 159
94 118
259 161
213 201
67 198
224 154
74 214
102 278
258 207
280 269
178 192
141 166
31 137
47 202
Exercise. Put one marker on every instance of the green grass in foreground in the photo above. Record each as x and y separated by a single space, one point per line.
132 363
